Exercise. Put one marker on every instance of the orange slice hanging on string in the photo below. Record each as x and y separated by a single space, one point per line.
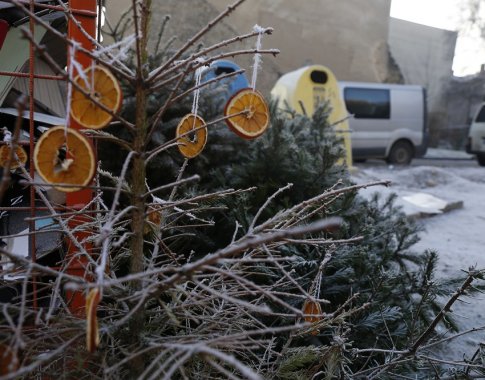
153 219
247 113
154 215
9 361
92 329
21 158
64 156
104 88
190 143
313 313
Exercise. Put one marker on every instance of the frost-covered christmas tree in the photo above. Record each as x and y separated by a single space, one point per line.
209 256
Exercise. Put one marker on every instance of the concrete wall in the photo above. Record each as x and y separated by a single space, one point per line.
345 36
425 57
464 96
187 17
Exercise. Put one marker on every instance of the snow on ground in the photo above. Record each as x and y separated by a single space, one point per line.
458 235
447 153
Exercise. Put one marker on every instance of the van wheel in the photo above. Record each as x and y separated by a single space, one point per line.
402 153
481 159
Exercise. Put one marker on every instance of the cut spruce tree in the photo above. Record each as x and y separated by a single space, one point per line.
204 255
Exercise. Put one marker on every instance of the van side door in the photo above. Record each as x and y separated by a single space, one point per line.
408 118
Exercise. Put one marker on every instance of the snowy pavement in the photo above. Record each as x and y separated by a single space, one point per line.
457 235
446 153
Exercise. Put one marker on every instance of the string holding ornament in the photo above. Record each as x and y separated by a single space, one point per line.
191 131
198 79
246 112
257 56
70 72
118 49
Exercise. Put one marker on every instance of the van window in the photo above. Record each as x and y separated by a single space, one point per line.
481 116
368 103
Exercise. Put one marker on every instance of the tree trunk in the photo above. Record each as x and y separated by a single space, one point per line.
137 322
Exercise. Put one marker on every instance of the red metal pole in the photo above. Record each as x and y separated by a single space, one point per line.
75 12
4 27
79 199
32 244
27 75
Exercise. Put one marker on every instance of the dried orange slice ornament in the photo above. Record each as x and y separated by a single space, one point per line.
191 143
313 313
247 113
102 86
92 330
64 157
9 361
153 219
21 158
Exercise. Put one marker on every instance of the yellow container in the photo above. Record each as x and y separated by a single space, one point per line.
303 90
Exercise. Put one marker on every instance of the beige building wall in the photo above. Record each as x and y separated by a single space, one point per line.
187 17
424 54
347 37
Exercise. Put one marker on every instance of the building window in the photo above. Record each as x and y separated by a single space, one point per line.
367 103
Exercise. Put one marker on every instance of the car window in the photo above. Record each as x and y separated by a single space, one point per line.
481 116
368 103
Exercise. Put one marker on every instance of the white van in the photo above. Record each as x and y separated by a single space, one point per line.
476 135
386 121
